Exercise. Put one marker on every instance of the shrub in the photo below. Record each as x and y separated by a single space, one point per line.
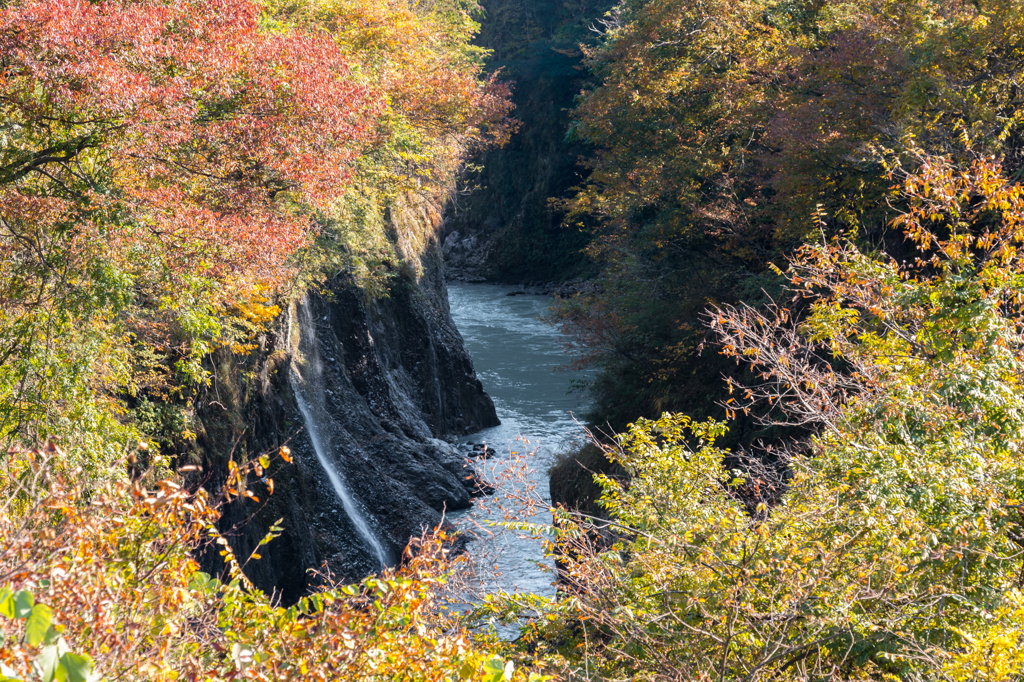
895 548
121 597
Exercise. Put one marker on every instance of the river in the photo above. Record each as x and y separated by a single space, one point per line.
517 358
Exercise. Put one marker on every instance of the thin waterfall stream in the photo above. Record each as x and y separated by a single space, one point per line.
516 356
310 396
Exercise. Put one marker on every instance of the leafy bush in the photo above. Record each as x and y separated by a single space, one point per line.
113 579
893 547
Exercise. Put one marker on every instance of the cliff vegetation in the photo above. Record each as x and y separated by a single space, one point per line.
175 176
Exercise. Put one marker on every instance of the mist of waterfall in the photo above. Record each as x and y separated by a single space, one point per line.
306 378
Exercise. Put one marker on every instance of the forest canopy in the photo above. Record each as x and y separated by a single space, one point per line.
887 545
730 133
809 221
169 167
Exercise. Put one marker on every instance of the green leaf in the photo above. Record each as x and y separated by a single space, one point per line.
38 624
74 668
46 662
6 602
494 670
53 634
23 602
199 581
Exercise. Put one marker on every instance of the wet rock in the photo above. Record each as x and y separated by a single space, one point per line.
478 487
451 242
483 450
397 382
478 450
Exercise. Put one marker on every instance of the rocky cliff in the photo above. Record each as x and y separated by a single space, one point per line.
394 381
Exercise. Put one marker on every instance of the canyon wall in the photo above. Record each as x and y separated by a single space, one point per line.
396 386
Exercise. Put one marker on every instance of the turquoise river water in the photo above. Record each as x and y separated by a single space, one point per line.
517 357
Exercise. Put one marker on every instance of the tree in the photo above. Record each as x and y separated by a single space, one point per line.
167 169
155 164
893 547
109 588
732 132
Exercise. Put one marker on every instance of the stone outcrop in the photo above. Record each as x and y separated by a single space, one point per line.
397 382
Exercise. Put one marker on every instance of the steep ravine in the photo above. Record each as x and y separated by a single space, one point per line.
511 228
393 380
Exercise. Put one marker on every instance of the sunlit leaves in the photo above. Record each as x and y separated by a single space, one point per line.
155 162
37 624
163 166
117 575
496 670
189 115
167 169
52 661
891 541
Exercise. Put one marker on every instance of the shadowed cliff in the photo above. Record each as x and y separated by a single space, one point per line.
508 229
396 381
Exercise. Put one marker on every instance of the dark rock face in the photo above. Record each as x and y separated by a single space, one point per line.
395 380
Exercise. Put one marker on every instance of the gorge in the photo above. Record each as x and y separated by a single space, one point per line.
288 289
371 390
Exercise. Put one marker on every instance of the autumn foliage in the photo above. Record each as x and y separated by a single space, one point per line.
826 192
157 160
168 168
820 201
728 133
169 172
174 128
116 594
888 543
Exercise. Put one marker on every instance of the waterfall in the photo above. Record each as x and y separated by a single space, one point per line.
308 386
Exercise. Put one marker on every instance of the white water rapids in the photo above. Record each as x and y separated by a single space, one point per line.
517 357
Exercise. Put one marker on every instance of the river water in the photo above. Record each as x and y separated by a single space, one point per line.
517 357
